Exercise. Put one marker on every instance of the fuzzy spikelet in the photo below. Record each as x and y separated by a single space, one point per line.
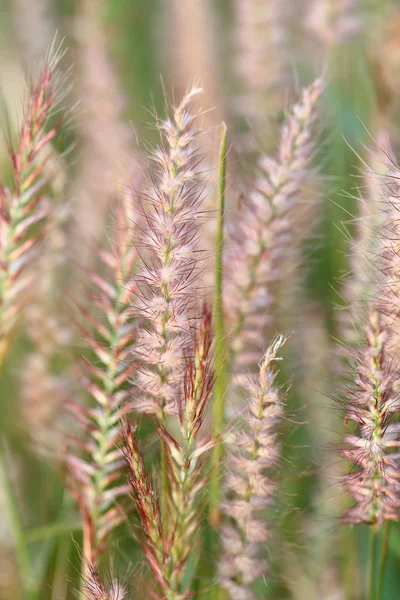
372 402
253 454
169 538
335 21
96 478
24 207
266 228
167 282
49 331
107 148
97 590
185 466
262 57
155 544
387 259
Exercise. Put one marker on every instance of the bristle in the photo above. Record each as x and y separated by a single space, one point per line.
253 455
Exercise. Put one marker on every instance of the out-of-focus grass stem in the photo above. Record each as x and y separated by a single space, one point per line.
372 563
220 351
383 559
21 548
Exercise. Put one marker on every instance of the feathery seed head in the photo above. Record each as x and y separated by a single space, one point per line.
167 282
267 227
372 401
24 207
253 455
107 380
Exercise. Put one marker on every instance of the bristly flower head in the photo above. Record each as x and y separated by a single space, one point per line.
109 330
266 228
253 456
387 257
169 538
167 282
97 590
374 481
23 208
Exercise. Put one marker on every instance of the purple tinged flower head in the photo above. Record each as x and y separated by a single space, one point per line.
266 228
254 453
172 211
372 401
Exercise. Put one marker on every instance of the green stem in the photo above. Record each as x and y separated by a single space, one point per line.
371 563
351 566
220 352
383 559
17 533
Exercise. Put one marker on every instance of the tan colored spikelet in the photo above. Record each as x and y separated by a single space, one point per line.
372 402
25 206
266 228
172 211
372 399
49 330
253 455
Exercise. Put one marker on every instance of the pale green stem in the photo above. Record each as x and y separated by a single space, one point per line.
383 559
17 532
220 351
372 563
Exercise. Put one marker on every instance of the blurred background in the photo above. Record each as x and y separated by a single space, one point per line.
252 57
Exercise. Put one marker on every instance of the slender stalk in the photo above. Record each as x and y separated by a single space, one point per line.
383 559
220 351
17 533
351 566
372 563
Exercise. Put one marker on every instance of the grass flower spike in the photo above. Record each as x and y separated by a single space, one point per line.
167 282
96 478
169 538
373 401
266 228
24 206
253 455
